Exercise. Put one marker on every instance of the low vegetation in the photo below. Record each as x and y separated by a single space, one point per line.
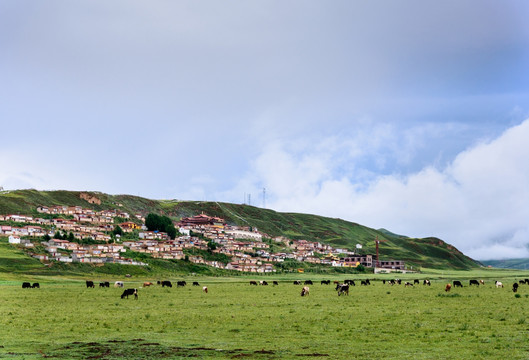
65 320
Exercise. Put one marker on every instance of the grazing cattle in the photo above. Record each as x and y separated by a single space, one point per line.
128 275
336 282
205 289
426 282
147 284
104 284
384 282
119 284
407 283
26 285
253 283
195 283
343 289
527 281
363 282
391 282
499 284
181 283
325 282
398 281
167 283
36 285
275 283
473 282
521 282
158 282
416 281
90 284
305 291
368 282
262 282
349 282
128 292
515 287
457 283
448 287
308 282
296 282
481 282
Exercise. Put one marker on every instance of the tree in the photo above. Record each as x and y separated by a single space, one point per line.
117 230
156 222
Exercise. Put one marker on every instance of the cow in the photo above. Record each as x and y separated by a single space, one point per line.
342 289
158 282
181 283
499 284
205 289
398 281
426 282
118 284
195 283
448 287
26 285
473 282
521 282
305 291
457 283
263 282
407 283
363 282
147 284
128 292
349 282
384 282
392 282
325 282
308 282
104 284
90 284
253 283
296 282
167 283
416 281
481 282
128 275
515 287
275 283
35 286
527 281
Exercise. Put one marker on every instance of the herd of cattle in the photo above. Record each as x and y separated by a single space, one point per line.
342 288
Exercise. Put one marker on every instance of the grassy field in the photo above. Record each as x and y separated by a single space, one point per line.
65 320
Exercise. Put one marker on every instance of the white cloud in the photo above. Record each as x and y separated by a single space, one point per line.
479 202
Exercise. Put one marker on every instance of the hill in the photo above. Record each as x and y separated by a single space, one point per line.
425 252
519 264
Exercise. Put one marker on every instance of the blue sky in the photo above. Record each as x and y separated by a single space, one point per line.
408 115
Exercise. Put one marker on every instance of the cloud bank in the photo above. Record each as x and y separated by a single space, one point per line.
478 202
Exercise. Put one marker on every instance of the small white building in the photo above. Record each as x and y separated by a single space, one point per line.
13 239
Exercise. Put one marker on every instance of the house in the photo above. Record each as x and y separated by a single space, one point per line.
13 239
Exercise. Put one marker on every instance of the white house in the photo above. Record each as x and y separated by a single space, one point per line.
13 239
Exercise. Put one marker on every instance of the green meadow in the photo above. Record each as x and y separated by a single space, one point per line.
65 320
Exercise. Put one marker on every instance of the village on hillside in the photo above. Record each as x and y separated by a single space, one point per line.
247 247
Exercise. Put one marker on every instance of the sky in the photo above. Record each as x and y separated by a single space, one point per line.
411 116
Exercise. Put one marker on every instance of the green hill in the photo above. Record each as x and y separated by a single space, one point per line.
426 252
519 264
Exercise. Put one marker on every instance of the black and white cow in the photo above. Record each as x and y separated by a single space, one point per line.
128 292
342 289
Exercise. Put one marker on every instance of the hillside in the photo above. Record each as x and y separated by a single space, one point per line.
426 252
519 264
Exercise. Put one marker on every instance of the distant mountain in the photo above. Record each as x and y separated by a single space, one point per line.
425 252
520 264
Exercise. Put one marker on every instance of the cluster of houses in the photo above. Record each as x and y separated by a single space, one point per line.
245 246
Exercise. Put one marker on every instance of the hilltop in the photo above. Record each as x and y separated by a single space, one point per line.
425 252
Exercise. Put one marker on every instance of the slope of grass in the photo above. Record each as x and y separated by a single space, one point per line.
429 252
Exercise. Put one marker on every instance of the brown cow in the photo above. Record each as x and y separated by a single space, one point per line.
305 291
146 284
205 289
448 287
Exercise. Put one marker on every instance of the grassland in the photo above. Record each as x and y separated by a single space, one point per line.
65 320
